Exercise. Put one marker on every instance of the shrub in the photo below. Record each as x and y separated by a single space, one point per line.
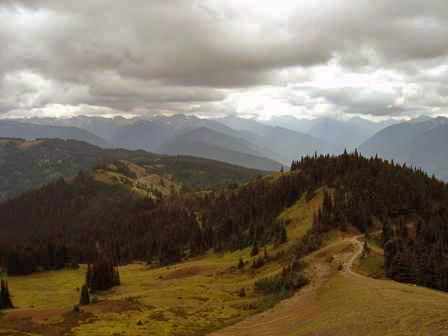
241 264
258 262
288 282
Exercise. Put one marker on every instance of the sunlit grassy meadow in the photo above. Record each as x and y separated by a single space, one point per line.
191 298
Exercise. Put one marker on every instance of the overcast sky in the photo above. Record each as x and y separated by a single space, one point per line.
255 57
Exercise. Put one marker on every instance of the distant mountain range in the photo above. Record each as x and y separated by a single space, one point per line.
239 141
264 145
205 142
421 142
341 134
29 131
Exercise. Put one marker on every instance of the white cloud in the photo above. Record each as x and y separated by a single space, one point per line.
257 57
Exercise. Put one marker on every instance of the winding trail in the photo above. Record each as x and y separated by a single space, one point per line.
289 314
348 267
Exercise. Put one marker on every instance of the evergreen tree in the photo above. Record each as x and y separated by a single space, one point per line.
85 297
365 250
283 236
5 297
89 276
254 251
103 274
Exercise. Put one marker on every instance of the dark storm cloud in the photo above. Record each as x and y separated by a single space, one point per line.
131 55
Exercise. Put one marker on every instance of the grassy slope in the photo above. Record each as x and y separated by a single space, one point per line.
189 298
372 264
361 305
299 217
185 299
200 295
25 165
365 306
143 183
341 303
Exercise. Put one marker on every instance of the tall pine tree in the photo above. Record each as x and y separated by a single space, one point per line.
5 297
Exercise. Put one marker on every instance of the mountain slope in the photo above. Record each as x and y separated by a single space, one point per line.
324 204
281 144
15 129
143 134
29 164
288 145
327 305
103 127
419 142
204 142
343 134
153 133
430 151
292 123
158 133
365 195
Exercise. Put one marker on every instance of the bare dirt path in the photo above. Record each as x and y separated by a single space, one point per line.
289 314
358 247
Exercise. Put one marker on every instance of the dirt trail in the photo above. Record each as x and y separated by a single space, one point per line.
289 314
348 267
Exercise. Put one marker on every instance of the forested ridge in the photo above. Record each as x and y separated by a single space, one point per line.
29 164
65 222
409 207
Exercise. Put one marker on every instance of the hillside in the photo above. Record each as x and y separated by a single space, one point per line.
292 123
343 134
367 195
296 232
146 135
280 143
288 144
192 286
430 152
103 127
420 142
30 131
29 164
339 134
234 136
343 302
153 133
207 143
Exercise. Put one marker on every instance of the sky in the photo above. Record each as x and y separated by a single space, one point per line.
252 58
